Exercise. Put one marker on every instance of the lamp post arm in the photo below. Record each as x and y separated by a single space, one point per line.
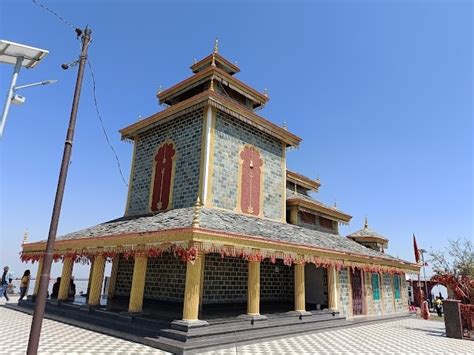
44 82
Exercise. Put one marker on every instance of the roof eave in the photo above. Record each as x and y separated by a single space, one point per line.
213 98
318 208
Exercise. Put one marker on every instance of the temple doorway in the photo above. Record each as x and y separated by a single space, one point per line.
357 292
316 287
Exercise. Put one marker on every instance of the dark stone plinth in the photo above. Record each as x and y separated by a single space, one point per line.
185 325
452 319
252 318
299 314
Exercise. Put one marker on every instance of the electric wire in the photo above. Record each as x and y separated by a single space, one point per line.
102 123
61 18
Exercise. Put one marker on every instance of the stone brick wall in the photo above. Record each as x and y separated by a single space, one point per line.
374 307
230 136
186 132
276 281
387 283
344 295
401 304
225 280
165 277
124 276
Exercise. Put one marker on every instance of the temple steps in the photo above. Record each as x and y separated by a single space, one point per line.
180 339
240 332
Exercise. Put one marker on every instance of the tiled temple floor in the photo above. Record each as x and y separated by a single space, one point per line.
406 336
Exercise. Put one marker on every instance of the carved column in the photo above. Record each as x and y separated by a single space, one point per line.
138 283
192 288
68 264
333 293
96 280
300 303
38 276
113 277
253 288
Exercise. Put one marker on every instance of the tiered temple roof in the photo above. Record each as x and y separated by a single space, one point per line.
369 238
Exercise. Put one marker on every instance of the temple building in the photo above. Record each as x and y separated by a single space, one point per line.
215 223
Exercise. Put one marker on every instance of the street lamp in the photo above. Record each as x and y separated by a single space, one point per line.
20 56
422 252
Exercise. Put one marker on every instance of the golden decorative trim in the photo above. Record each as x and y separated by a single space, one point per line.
186 235
130 179
202 160
210 173
283 190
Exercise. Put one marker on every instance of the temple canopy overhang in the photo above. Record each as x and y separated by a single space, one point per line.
189 231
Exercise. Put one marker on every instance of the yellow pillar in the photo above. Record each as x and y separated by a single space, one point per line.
253 288
138 283
294 214
68 264
300 303
113 277
192 289
38 276
96 280
333 293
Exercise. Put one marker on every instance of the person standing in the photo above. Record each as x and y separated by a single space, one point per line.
24 283
439 306
6 279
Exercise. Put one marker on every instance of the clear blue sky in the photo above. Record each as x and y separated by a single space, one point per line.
380 92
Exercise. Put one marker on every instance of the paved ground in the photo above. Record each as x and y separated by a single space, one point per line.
407 336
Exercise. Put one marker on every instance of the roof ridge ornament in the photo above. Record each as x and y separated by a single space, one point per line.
216 45
196 215
366 223
25 237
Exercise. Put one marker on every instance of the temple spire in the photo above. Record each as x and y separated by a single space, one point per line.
216 45
25 237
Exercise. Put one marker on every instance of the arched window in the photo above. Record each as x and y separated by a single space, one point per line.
251 181
162 177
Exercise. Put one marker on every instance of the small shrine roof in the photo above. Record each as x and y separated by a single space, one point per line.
295 198
367 234
228 222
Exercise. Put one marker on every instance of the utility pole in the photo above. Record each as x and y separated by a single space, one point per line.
40 305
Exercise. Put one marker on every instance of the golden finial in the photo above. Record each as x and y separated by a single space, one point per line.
197 208
212 85
216 45
265 92
366 223
25 237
